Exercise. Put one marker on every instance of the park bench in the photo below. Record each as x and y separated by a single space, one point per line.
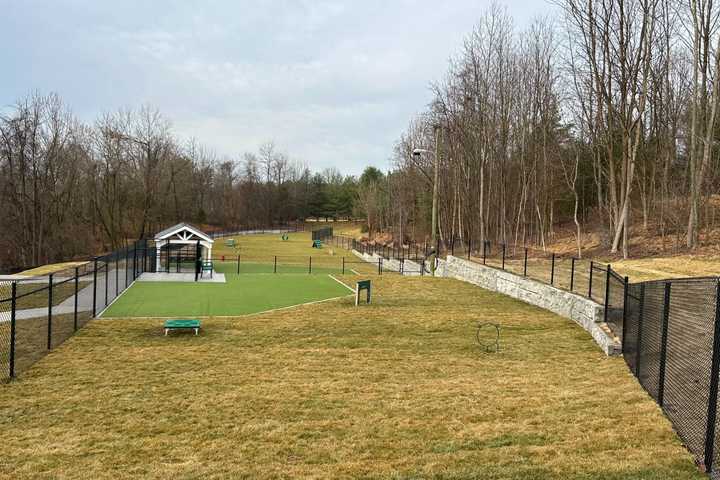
317 244
230 242
182 324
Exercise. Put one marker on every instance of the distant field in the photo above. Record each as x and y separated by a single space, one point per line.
257 254
668 267
51 268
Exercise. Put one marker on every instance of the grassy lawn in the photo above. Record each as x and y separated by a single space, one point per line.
242 294
396 389
668 267
51 268
263 248
31 338
257 255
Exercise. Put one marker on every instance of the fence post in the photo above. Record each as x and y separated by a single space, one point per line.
13 307
590 281
135 265
452 246
525 263
310 264
117 278
638 345
663 344
503 256
712 398
107 276
484 252
275 264
469 246
607 292
238 264
343 265
50 301
95 287
625 298
75 307
552 270
572 273
380 266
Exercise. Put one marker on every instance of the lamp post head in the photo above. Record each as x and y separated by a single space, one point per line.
418 151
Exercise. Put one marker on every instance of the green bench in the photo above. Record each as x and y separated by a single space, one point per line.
182 324
317 244
230 242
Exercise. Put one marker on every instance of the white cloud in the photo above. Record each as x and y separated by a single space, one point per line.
333 82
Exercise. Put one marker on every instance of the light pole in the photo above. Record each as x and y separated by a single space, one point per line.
433 235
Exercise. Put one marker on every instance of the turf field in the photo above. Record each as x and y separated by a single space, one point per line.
241 295
272 273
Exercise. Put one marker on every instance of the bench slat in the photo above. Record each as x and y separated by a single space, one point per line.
182 323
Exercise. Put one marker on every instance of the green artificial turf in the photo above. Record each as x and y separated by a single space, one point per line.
241 295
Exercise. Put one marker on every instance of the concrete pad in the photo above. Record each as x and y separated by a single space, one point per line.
180 277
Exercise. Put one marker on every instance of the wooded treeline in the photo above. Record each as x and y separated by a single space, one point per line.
68 189
604 118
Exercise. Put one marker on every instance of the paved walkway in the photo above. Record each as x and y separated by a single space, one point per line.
85 299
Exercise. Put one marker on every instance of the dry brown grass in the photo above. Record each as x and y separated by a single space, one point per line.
51 268
397 389
263 247
668 267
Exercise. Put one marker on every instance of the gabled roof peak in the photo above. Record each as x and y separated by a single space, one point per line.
175 229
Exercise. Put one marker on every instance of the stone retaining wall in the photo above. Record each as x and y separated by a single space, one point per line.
408 267
585 312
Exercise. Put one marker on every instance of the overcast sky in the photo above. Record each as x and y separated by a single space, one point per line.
333 83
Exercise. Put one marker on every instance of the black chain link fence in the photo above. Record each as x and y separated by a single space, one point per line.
671 343
39 313
274 229
595 280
